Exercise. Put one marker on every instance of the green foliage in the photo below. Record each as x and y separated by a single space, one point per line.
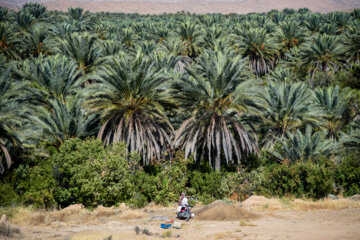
8 196
88 173
348 174
163 185
349 78
35 184
207 185
301 179
304 147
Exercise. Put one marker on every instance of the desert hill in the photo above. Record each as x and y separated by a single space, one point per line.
194 6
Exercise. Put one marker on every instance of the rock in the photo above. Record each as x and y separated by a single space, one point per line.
3 219
73 208
355 197
101 207
123 206
177 225
6 229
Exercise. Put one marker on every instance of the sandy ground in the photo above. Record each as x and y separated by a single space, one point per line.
194 6
258 224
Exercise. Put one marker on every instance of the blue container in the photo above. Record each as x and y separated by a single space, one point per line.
165 226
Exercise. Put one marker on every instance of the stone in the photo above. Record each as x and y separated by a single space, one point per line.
177 225
355 197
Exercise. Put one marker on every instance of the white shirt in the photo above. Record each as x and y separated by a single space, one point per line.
184 202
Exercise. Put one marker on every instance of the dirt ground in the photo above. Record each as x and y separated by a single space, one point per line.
233 221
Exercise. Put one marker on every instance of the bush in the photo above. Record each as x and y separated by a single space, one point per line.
171 180
35 184
87 173
301 179
206 186
348 174
145 189
161 182
8 196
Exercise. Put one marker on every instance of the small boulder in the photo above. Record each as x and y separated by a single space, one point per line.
123 206
177 225
3 219
75 207
355 197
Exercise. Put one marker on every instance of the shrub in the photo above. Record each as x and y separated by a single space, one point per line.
299 179
35 184
348 174
8 196
172 179
87 173
206 185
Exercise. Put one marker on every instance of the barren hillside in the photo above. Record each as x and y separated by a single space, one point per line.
195 6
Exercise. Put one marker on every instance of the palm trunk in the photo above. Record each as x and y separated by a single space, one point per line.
217 162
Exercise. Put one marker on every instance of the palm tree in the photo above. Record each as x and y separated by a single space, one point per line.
76 14
255 45
328 28
332 102
7 41
313 22
131 99
127 36
52 77
110 47
351 41
322 53
304 147
351 141
282 75
81 48
215 91
60 120
33 41
289 35
24 20
212 35
12 115
341 20
35 9
175 49
3 14
285 108
191 37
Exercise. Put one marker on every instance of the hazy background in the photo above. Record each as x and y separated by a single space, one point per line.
196 6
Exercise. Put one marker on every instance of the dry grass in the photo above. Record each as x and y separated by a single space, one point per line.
106 211
265 204
326 204
226 235
220 210
222 235
28 216
96 235
167 234
131 214
243 223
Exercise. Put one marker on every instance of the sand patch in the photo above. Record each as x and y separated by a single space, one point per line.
220 210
